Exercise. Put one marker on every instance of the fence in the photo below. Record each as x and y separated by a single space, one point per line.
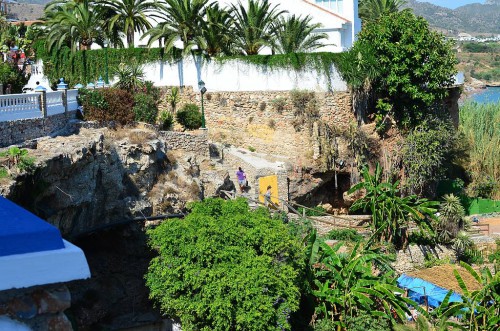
483 206
41 104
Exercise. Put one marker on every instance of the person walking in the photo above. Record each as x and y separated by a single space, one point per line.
267 196
242 179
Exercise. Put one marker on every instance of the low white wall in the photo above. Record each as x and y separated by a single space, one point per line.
234 76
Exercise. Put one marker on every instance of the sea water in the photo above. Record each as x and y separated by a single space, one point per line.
489 95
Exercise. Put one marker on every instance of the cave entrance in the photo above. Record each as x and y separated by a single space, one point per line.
329 195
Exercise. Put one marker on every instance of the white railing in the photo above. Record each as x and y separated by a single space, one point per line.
19 106
55 104
72 101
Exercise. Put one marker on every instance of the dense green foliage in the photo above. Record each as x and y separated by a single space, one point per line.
391 212
166 120
345 234
107 105
225 267
475 47
480 309
415 65
428 151
145 108
75 66
189 117
10 75
295 34
480 126
18 158
451 218
346 286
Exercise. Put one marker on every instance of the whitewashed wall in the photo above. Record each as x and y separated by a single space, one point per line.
239 76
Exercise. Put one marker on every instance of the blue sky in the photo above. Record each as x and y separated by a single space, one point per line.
452 3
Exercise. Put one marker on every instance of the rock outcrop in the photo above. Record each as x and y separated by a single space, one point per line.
100 177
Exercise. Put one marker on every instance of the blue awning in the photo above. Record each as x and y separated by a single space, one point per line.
22 232
419 288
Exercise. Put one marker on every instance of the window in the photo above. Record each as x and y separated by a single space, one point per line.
336 6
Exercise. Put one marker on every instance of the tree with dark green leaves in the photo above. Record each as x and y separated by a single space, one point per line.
295 34
415 66
226 267
253 24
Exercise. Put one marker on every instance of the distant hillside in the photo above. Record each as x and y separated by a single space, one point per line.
25 11
474 18
36 2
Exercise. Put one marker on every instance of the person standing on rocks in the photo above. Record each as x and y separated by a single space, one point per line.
242 179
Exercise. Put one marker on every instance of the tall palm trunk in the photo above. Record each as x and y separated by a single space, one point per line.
130 37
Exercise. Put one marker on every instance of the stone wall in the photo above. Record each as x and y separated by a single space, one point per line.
196 142
254 121
414 256
38 308
14 132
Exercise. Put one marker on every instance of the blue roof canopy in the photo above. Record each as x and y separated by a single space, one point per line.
419 288
22 232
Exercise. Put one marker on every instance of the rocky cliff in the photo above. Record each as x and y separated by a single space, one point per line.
101 176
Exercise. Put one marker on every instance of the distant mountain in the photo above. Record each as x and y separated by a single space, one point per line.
475 18
36 2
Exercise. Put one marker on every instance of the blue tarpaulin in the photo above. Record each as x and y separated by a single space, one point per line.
419 288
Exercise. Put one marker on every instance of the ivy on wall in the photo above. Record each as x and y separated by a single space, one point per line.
71 65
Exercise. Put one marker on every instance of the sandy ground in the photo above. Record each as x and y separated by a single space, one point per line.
494 224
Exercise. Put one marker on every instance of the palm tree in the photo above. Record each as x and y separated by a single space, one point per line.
296 34
74 22
131 15
371 10
218 33
183 20
253 25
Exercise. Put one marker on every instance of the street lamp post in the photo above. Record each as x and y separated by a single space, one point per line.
106 76
203 90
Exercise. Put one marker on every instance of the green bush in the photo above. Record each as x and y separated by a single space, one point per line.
367 322
107 105
10 74
226 267
345 234
145 108
189 117
166 120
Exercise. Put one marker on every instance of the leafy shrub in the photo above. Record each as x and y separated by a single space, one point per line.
10 74
145 108
189 117
173 98
251 149
226 267
345 234
279 104
368 322
3 173
130 76
166 120
108 105
151 90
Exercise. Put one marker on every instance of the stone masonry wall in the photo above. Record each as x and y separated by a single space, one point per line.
39 308
195 142
14 132
251 120
414 256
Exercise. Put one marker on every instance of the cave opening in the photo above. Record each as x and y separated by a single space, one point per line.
329 195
